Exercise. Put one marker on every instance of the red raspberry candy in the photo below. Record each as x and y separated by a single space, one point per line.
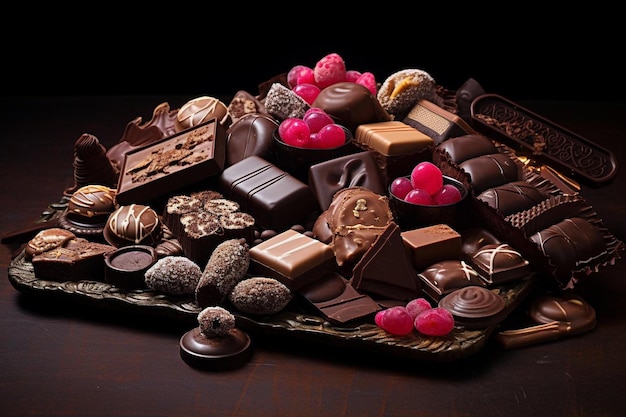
427 176
352 75
401 186
294 132
368 80
436 321
297 72
417 305
397 321
308 92
329 70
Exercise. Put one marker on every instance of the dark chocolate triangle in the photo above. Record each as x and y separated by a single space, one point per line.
385 269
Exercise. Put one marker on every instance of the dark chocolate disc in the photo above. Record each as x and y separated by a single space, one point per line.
216 353
474 307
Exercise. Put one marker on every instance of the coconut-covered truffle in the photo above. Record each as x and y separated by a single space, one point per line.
283 103
402 89
174 275
216 321
260 296
227 265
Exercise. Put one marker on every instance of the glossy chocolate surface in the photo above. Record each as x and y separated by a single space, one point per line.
491 170
464 147
275 198
133 224
350 105
474 307
441 278
498 263
385 269
201 110
336 299
355 170
252 134
216 353
125 267
512 197
392 138
430 244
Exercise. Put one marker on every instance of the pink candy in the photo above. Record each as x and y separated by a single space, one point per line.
329 70
418 314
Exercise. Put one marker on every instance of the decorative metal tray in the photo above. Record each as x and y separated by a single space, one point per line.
460 343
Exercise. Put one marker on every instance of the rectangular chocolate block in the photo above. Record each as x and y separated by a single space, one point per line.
442 278
354 170
334 298
78 259
172 163
392 138
430 244
436 122
293 258
499 263
275 198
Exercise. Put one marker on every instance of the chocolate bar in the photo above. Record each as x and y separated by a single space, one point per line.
436 122
276 199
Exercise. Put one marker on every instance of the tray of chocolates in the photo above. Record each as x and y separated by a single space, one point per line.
208 214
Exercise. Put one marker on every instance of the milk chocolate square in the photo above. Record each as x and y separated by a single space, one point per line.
355 170
430 244
498 263
442 278
275 198
293 258
392 138
174 162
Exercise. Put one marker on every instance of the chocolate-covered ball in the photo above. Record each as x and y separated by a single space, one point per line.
91 204
133 224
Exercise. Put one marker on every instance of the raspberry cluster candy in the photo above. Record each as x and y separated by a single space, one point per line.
417 314
316 130
425 187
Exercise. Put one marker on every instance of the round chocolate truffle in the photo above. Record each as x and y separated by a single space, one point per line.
350 105
216 344
88 210
133 224
475 307
200 110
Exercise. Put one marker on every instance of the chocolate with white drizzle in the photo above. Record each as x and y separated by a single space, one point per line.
441 278
133 224
498 263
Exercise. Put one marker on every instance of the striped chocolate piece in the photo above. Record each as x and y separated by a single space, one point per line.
392 138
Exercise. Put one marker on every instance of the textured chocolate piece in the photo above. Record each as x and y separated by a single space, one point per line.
355 170
385 269
392 138
512 197
571 245
76 260
441 278
125 267
276 199
352 222
200 110
436 122
91 165
335 298
46 240
177 161
282 103
427 245
173 275
244 103
293 258
492 170
350 105
137 134
475 238
464 147
530 134
252 134
402 89
475 307
133 224
499 263
260 296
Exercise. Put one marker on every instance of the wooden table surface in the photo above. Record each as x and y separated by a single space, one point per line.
64 359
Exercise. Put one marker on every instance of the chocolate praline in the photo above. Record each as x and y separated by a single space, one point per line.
125 267
217 353
133 224
474 307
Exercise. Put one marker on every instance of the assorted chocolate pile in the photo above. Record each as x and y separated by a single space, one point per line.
201 202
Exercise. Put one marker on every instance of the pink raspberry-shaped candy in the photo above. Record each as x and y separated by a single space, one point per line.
329 70
435 321
368 80
352 75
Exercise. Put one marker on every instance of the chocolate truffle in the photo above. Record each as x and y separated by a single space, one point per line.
350 105
512 197
260 296
252 134
491 170
200 110
125 267
174 275
133 224
227 265
352 222
88 210
475 307
216 344
401 90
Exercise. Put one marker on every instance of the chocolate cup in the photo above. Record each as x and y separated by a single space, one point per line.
297 161
126 267
216 353
411 216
